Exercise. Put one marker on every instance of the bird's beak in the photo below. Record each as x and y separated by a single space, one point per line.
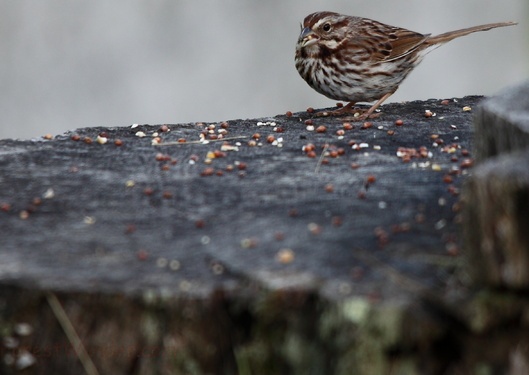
307 37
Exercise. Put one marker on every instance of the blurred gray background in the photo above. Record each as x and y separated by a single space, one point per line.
69 64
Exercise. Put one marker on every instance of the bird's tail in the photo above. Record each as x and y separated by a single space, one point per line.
446 37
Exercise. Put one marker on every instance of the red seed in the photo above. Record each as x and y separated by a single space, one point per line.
5 207
164 128
270 139
310 110
348 126
355 165
321 129
118 142
219 154
289 114
308 122
371 179
467 163
148 191
445 102
399 122
88 140
366 125
340 132
339 104
337 221
130 228
167 194
447 179
309 147
224 125
142 255
311 154
329 188
181 140
242 166
207 172
75 137
391 132
256 136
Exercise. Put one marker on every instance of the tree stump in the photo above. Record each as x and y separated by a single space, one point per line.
497 194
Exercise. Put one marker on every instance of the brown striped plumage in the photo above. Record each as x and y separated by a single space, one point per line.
356 59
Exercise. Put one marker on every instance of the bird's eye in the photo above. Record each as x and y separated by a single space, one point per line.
327 27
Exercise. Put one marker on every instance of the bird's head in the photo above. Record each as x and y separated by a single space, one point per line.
322 30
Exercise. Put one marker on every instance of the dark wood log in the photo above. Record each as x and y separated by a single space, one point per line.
287 250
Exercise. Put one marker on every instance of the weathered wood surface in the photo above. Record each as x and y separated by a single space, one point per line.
497 215
286 264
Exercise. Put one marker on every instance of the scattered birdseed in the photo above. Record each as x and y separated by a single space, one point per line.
217 268
428 113
142 254
440 224
48 194
162 262
133 126
184 286
89 220
140 134
285 256
248 243
314 228
174 265
467 109
310 128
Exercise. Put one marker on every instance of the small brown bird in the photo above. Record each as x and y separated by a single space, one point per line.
356 59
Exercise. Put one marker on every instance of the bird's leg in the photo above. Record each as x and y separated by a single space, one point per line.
358 114
348 109
375 106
